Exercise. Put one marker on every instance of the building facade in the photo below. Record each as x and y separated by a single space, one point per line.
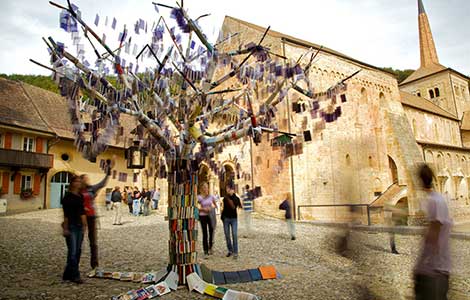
37 151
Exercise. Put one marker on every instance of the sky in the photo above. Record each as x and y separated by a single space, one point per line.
383 33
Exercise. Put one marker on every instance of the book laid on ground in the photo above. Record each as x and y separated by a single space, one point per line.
206 274
172 280
196 283
218 277
231 277
268 272
244 276
255 274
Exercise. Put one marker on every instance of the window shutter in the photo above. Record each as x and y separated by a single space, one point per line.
5 182
39 144
37 184
17 184
7 140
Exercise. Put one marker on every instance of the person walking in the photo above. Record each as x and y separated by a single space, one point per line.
156 198
73 228
116 199
109 204
286 205
229 217
431 273
247 199
89 193
206 205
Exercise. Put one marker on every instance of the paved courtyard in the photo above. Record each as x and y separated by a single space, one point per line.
32 258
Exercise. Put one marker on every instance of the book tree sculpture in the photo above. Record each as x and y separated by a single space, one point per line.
174 101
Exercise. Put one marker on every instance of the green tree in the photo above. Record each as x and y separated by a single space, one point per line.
399 74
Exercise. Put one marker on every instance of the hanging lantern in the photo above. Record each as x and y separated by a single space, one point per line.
135 156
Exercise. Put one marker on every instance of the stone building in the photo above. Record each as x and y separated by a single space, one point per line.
37 151
370 154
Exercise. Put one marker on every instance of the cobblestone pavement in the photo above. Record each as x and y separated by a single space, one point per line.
32 258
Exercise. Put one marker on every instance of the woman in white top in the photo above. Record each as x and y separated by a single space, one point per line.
207 203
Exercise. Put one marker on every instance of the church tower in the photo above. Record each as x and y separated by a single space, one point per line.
433 81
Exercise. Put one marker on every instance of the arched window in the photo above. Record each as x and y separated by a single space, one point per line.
363 96
418 94
431 94
436 92
348 160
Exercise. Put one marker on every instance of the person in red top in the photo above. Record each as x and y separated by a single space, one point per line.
89 193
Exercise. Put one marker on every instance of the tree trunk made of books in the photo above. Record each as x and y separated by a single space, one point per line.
182 218
174 95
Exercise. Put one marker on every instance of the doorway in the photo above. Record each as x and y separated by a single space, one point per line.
59 185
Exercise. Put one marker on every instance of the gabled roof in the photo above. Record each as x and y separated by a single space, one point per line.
306 44
27 106
424 72
17 109
424 105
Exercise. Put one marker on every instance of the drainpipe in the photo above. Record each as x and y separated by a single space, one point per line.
291 161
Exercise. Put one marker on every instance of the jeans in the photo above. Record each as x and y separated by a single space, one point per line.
92 238
431 287
136 207
232 241
146 207
117 212
155 203
291 227
130 206
74 250
206 226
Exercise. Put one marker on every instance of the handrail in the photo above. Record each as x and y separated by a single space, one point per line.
382 193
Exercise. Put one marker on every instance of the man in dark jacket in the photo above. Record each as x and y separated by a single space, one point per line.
285 205
116 199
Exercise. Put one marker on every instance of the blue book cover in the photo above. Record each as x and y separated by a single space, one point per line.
255 274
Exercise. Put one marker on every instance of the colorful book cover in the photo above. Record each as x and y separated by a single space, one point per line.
210 289
255 274
268 272
162 288
127 276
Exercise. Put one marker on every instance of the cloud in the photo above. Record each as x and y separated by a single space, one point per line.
379 32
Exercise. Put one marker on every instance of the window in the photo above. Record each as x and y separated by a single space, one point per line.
431 94
418 94
136 177
114 174
26 182
122 177
436 92
28 144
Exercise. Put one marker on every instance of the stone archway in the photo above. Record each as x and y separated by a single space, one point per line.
227 175
203 175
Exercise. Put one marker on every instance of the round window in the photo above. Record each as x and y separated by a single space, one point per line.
65 157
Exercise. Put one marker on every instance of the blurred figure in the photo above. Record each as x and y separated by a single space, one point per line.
431 273
129 197
136 201
217 203
229 216
109 204
286 205
156 198
147 196
89 193
116 198
206 206
73 227
247 200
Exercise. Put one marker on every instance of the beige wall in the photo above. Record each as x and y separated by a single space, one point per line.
78 165
431 128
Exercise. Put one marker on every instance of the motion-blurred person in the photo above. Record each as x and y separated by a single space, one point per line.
431 273
146 195
116 198
73 227
109 204
129 197
156 198
229 216
247 200
89 193
206 206
286 205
